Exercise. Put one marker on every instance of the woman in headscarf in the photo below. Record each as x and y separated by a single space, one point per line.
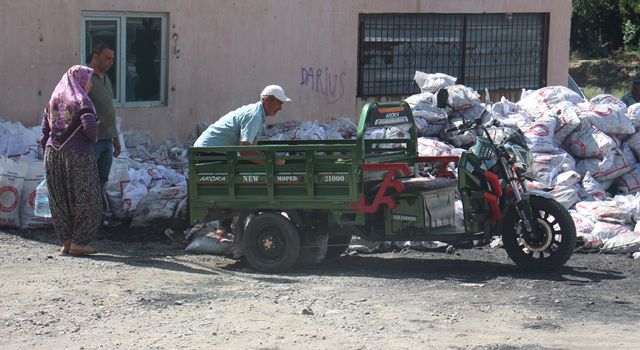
69 132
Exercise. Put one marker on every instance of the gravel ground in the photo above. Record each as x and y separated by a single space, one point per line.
143 292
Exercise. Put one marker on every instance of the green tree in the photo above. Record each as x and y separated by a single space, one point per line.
594 23
630 13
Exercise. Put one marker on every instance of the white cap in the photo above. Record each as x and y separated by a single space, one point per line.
275 91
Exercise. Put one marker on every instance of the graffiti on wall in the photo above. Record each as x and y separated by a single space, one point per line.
324 82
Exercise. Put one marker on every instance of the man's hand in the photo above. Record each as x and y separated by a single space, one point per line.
279 161
116 146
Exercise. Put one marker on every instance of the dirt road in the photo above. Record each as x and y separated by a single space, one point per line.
137 295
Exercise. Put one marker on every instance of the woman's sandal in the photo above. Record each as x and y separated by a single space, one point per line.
65 247
81 250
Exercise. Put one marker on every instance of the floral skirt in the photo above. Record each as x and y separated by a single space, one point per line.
74 194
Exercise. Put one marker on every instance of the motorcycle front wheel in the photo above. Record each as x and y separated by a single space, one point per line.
554 244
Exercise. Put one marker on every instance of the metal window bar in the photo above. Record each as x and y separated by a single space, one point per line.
494 51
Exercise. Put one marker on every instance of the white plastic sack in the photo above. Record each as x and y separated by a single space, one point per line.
433 147
135 190
425 100
584 224
158 204
118 180
461 96
607 230
587 141
607 118
540 101
33 177
623 243
433 82
633 113
630 203
566 195
634 143
567 120
505 108
629 182
309 131
607 211
593 187
274 131
608 99
613 165
540 135
343 126
432 128
547 166
11 179
568 178
520 120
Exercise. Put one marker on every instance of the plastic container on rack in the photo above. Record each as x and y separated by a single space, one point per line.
42 200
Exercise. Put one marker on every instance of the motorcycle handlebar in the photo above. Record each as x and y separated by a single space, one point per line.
452 129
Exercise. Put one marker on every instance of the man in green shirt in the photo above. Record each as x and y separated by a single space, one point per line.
108 145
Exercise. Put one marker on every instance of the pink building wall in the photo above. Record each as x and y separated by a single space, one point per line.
227 51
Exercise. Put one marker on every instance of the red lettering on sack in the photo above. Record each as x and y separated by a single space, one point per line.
32 199
539 130
8 206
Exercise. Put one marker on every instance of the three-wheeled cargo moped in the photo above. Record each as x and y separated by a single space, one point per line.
329 190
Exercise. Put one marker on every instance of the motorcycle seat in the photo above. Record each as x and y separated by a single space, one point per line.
422 184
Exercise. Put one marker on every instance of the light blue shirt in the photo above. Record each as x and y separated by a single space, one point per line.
241 125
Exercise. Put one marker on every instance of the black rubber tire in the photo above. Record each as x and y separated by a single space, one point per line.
561 233
271 243
336 246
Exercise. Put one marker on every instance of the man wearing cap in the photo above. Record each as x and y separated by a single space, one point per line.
633 96
242 126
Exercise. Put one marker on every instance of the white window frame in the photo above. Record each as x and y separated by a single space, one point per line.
121 20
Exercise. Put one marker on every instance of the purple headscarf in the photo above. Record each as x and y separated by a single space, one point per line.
68 101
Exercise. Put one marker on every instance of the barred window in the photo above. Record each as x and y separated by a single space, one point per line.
493 51
139 43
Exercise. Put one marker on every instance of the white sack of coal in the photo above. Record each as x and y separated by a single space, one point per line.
540 135
607 211
344 126
428 147
430 128
433 82
461 96
568 178
587 142
308 130
634 144
608 118
608 230
566 195
540 101
630 203
593 187
608 99
520 120
11 179
584 224
567 120
505 108
547 166
633 113
615 164
623 243
629 182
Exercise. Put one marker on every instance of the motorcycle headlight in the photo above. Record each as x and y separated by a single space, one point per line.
522 157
